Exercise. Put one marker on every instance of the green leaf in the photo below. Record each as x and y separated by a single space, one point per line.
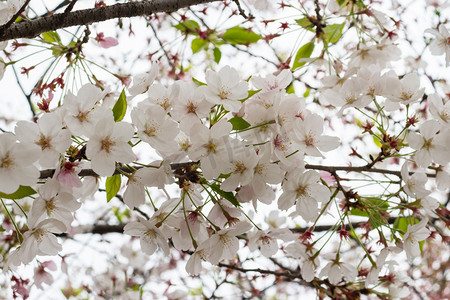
120 108
376 141
227 195
306 24
307 92
22 192
51 37
304 52
198 82
401 224
372 207
239 123
290 89
198 44
333 32
112 186
217 54
240 35
189 26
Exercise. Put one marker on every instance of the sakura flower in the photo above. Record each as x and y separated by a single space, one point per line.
223 212
150 236
190 106
290 109
41 275
404 91
414 184
143 81
241 168
16 164
272 82
165 97
349 95
262 119
440 44
39 240
80 112
194 263
431 144
108 144
306 255
106 42
304 190
267 241
54 203
134 195
225 88
47 135
224 243
338 270
308 134
8 9
414 234
67 175
439 110
155 127
210 146
264 172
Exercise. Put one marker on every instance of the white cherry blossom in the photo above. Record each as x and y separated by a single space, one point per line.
155 127
108 144
150 236
16 164
431 144
440 45
48 135
414 234
225 88
81 112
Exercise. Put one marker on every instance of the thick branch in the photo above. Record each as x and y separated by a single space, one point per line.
90 172
30 29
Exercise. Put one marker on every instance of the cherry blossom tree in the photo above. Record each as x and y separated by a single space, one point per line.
203 149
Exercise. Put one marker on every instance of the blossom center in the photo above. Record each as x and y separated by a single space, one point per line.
106 144
191 108
210 147
239 167
302 190
82 116
6 162
44 142
309 140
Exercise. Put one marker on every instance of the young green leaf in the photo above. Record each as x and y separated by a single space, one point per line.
189 26
227 195
304 52
217 55
241 36
51 37
120 108
333 32
112 186
239 123
22 192
198 44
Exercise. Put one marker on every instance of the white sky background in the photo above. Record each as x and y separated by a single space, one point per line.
15 106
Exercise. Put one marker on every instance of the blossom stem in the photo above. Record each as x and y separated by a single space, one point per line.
19 234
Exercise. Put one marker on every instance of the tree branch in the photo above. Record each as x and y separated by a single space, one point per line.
29 29
89 172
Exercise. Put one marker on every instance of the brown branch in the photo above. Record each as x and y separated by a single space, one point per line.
4 27
89 172
332 169
30 29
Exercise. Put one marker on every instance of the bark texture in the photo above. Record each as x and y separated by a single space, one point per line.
30 29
